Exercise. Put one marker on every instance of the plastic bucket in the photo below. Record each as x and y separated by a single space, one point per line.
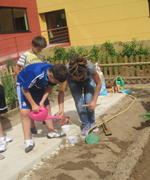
57 123
73 139
65 128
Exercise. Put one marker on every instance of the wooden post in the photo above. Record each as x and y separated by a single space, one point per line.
138 70
110 70
105 69
127 70
115 67
132 69
144 68
121 67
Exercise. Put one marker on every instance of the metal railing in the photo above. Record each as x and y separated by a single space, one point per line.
14 46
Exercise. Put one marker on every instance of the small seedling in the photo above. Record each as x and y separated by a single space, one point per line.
42 159
147 115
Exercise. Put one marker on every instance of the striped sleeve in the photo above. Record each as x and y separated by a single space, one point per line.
44 59
22 60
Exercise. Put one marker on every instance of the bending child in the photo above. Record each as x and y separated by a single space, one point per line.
34 84
83 78
34 55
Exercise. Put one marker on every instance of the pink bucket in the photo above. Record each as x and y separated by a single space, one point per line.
42 115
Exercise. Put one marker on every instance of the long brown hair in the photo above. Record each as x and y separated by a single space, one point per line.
77 65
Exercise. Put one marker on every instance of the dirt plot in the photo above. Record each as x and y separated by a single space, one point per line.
116 157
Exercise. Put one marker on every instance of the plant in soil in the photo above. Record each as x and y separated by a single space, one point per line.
147 115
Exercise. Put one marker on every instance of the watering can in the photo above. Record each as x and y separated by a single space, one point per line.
120 84
42 115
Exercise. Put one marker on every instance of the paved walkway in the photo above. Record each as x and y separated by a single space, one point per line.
16 160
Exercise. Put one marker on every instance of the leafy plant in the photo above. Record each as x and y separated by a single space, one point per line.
95 52
50 59
82 50
147 115
42 159
9 90
107 49
60 53
71 53
9 62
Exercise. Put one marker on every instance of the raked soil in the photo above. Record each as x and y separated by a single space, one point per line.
124 155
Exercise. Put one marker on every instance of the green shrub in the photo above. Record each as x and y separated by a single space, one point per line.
50 59
71 53
95 52
147 115
10 91
107 49
81 50
10 62
60 53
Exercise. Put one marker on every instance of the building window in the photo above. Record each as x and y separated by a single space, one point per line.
13 20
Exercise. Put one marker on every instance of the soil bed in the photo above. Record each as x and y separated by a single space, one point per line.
123 155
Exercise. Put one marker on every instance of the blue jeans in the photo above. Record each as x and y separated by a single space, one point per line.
87 117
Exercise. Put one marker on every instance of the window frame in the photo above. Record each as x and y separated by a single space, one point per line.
149 7
13 20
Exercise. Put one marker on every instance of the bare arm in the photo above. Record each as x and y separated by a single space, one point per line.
31 101
46 94
61 98
97 80
17 69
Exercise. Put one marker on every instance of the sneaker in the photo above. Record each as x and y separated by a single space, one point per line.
3 144
95 129
29 145
84 131
55 135
34 130
8 139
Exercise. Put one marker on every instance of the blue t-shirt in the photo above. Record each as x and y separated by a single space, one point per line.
34 76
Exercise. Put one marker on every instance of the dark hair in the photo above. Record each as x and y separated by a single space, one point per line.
77 65
60 72
39 41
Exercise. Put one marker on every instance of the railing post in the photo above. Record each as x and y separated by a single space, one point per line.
69 35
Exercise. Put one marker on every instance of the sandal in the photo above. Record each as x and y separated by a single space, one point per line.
1 157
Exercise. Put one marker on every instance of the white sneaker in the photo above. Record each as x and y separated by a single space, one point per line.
8 139
3 144
55 135
29 145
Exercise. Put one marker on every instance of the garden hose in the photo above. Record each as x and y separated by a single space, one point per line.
98 125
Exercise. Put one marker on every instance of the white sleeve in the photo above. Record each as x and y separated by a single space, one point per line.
22 60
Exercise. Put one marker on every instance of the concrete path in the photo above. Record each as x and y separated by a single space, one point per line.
16 160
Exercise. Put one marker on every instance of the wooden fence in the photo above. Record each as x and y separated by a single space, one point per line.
133 72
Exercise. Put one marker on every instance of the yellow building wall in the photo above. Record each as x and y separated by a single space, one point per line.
97 21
